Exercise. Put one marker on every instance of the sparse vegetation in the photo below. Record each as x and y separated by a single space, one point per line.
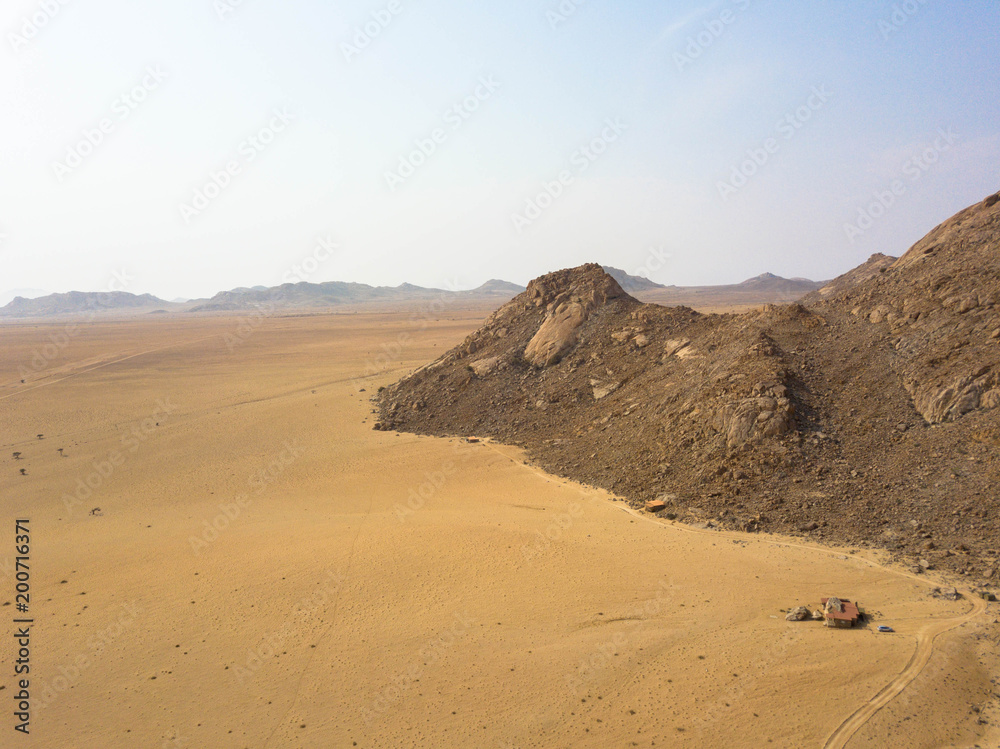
17 455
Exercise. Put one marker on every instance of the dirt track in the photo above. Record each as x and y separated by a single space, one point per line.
925 637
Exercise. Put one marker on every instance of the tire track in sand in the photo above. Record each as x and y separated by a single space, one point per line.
921 656
843 734
108 363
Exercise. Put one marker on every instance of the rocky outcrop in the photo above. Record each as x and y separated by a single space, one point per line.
948 593
939 305
872 267
569 299
868 416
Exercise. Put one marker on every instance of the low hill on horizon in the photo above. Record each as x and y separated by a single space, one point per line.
629 282
767 288
83 303
306 295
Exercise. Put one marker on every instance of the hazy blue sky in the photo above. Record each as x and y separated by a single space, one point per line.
824 104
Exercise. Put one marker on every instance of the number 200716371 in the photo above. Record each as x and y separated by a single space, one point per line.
22 542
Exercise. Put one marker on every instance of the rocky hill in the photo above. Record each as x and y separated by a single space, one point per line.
81 303
867 416
776 284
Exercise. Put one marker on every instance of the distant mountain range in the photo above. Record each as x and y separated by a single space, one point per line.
285 297
81 303
320 296
333 293
766 288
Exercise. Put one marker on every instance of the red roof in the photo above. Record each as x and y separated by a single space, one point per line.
850 612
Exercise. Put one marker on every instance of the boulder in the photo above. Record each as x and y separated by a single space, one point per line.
602 390
798 614
484 367
946 593
556 335
675 346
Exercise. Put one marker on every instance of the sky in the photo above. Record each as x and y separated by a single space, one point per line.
188 147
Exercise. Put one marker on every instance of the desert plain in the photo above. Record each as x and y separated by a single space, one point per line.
224 553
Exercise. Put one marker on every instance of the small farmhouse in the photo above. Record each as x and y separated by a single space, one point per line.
839 613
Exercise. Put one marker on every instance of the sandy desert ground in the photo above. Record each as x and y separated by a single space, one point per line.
268 571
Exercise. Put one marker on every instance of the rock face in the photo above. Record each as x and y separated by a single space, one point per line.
867 415
569 298
872 267
938 303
